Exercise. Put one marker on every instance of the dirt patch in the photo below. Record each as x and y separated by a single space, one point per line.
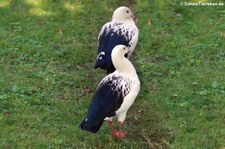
147 126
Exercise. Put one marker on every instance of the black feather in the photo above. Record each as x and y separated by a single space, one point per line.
107 41
105 102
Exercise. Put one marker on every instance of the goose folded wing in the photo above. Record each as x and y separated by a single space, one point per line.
104 104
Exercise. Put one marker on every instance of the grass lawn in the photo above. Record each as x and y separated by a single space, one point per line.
47 77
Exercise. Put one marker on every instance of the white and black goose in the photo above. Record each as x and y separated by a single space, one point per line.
114 94
121 30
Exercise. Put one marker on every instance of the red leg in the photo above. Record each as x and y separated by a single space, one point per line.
112 127
120 134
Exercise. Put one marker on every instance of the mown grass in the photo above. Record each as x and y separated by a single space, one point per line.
48 50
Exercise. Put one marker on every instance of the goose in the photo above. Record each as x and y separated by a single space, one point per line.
114 95
120 30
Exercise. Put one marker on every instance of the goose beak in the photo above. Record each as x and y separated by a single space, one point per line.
128 51
133 17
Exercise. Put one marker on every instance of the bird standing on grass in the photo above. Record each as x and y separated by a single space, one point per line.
121 30
114 95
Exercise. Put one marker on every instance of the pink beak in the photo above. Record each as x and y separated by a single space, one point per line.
129 50
133 17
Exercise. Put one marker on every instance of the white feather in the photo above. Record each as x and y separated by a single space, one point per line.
125 22
128 79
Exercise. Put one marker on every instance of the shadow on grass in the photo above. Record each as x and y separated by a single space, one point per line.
146 126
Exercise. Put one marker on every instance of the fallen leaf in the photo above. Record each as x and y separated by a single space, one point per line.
60 31
87 90
149 22
179 15
194 84
223 34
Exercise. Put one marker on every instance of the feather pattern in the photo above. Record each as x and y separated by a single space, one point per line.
114 94
116 32
107 100
118 84
127 30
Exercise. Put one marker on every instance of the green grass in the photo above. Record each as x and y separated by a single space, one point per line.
47 55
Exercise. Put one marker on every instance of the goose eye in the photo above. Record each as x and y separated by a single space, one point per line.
124 48
127 11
